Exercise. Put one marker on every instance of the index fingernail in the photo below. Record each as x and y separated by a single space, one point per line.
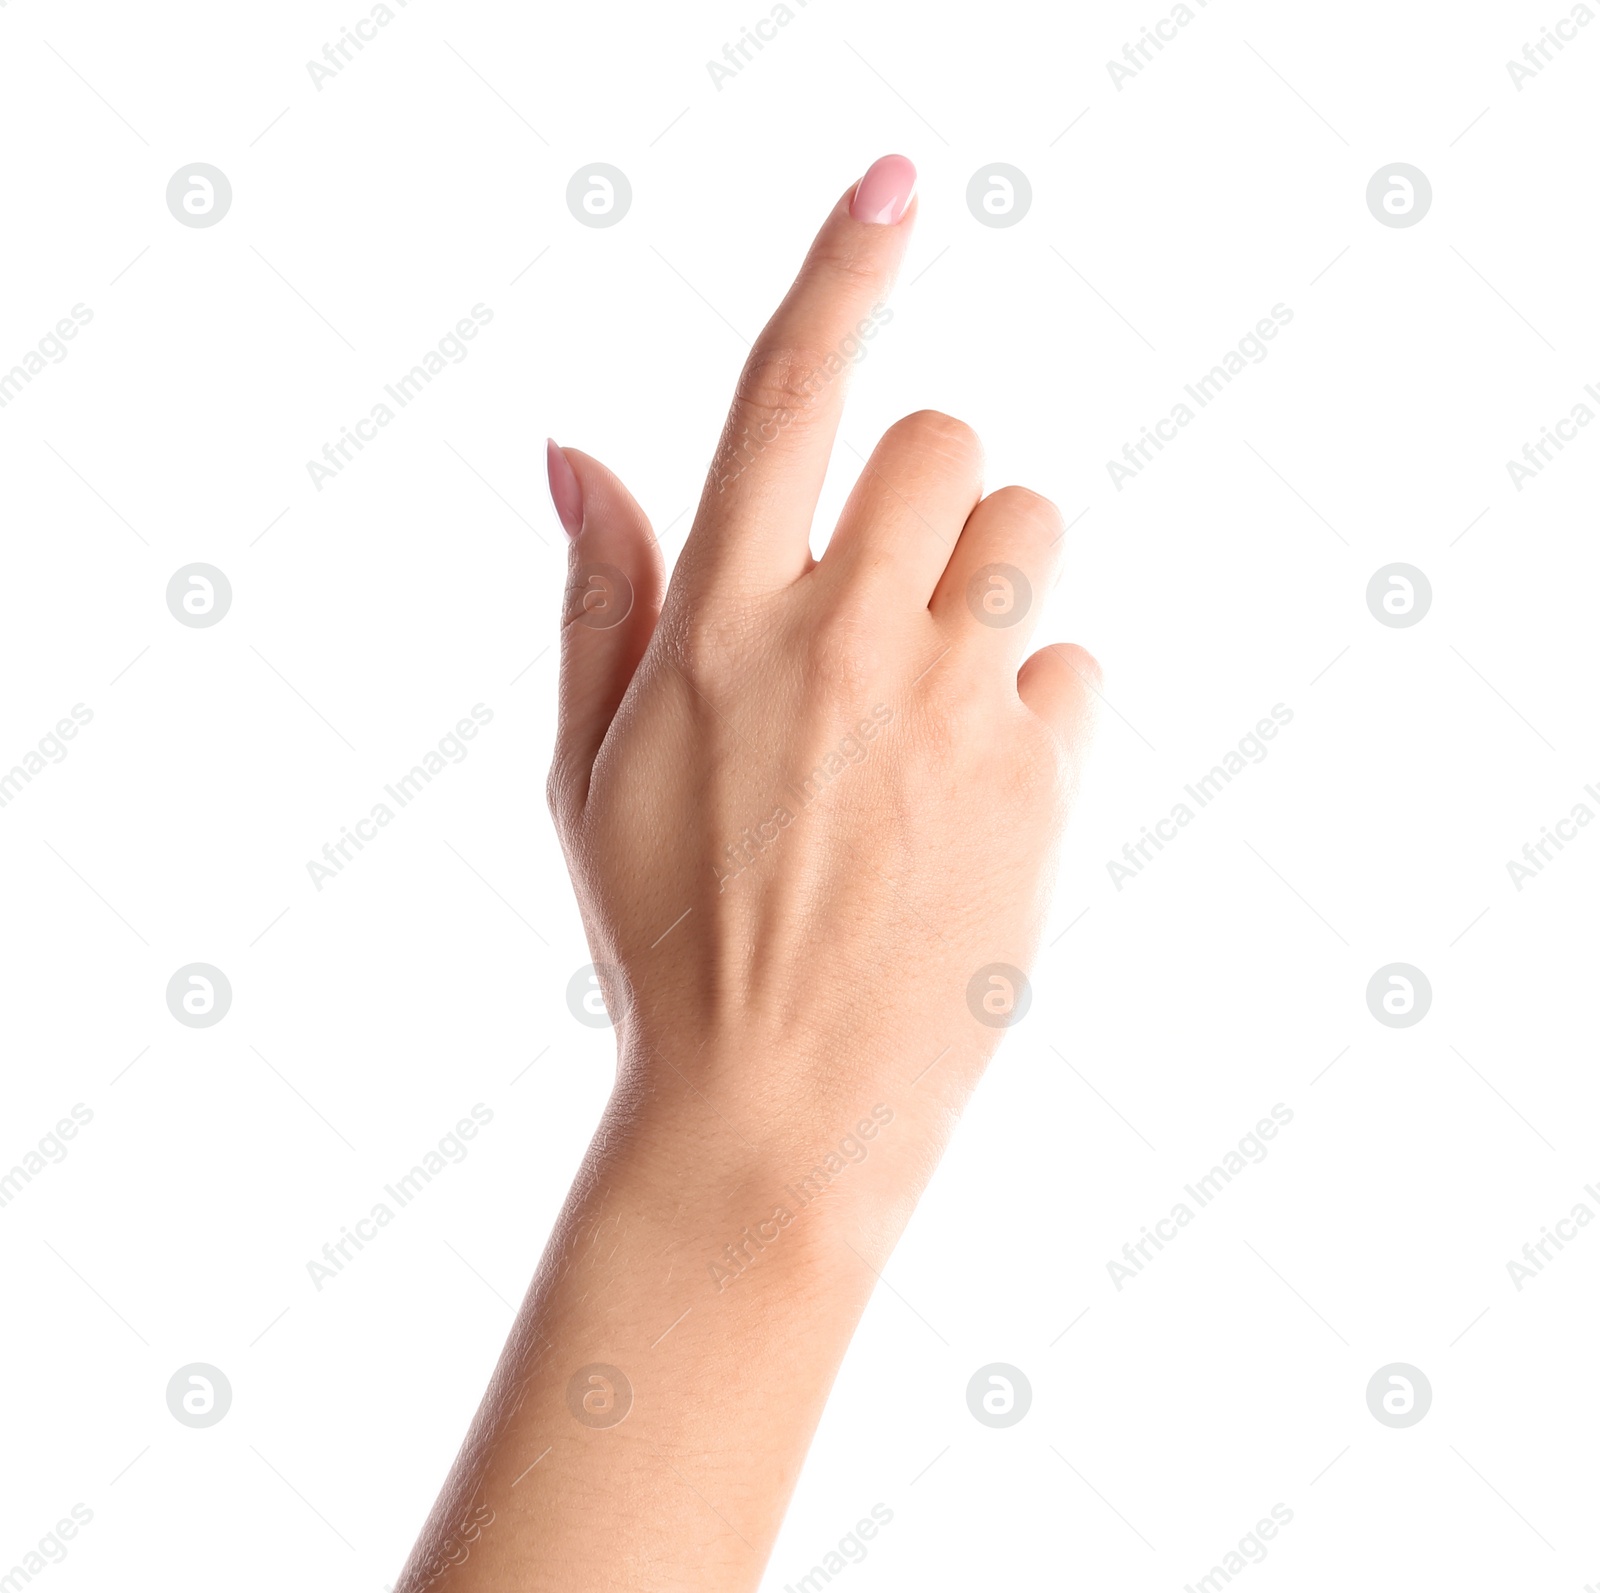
565 491
884 193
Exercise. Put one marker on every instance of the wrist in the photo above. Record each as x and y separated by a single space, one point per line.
746 1171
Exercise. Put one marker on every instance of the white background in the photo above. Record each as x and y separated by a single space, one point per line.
368 617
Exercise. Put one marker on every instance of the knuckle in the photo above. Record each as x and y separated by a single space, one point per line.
709 648
1069 657
777 386
1028 509
842 654
837 259
933 429
556 786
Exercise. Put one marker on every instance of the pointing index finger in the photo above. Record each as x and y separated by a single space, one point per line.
766 477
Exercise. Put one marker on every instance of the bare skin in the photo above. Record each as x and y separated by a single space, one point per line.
807 807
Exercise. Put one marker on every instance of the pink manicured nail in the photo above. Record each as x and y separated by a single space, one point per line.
883 194
565 492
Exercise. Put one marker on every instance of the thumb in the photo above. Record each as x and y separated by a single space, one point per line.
615 579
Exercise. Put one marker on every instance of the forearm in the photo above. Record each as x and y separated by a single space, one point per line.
808 807
716 1252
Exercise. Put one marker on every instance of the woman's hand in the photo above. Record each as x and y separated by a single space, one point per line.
806 804
809 809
